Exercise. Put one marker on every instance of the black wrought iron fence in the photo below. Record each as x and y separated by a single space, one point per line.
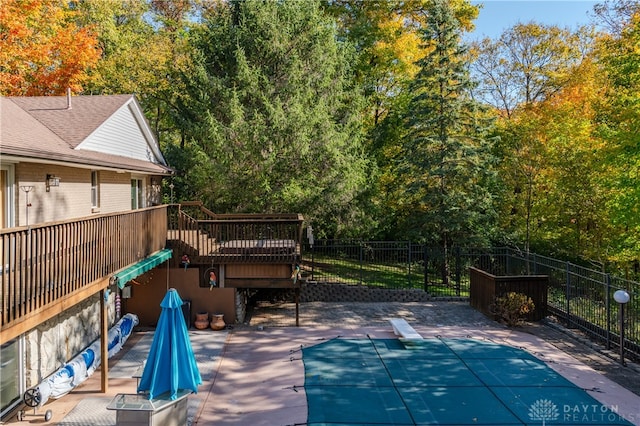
579 296
583 298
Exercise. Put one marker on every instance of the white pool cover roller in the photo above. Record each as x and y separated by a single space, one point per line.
78 369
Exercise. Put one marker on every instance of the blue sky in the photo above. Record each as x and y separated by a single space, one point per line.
498 15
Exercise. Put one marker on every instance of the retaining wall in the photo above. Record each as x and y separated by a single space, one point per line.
313 291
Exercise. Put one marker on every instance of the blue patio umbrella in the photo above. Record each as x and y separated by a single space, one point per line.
171 364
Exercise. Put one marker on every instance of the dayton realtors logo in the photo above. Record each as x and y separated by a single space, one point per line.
545 410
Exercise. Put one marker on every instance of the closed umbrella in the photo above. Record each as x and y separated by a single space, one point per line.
171 364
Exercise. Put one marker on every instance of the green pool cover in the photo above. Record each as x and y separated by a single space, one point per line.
441 381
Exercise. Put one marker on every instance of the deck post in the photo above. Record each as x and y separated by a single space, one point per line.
297 296
104 342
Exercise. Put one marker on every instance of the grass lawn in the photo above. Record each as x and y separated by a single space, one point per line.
398 276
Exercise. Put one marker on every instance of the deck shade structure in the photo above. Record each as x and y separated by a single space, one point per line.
171 364
139 268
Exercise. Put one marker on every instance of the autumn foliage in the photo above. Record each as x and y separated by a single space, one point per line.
272 112
43 51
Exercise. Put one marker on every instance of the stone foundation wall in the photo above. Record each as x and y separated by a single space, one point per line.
242 298
56 341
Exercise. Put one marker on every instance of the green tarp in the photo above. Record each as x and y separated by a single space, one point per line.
137 269
441 382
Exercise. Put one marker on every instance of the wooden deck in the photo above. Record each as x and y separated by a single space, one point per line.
209 238
47 268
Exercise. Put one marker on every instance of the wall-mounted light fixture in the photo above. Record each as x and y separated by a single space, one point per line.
52 181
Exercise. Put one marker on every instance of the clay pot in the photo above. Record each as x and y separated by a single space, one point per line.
217 322
202 320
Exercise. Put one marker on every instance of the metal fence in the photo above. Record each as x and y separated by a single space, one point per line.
579 296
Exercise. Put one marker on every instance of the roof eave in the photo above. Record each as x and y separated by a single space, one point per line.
84 163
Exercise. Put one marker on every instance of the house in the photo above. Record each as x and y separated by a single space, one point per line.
85 236
63 159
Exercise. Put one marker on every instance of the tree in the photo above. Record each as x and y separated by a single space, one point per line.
386 36
43 51
522 160
446 160
616 14
552 164
618 125
273 105
130 60
538 78
527 64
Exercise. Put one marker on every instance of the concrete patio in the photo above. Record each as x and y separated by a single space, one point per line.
253 373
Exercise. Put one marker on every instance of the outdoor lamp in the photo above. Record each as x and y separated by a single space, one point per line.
52 181
27 189
622 297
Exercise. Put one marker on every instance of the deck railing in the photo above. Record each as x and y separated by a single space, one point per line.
46 263
236 238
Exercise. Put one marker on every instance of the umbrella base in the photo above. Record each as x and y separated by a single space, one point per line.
138 410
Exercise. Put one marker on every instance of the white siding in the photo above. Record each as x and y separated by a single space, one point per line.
121 135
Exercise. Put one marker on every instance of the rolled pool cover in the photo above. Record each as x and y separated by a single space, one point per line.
78 369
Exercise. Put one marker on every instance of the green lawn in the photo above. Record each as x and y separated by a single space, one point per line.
404 276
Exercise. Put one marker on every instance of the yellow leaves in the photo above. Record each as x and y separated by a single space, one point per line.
399 44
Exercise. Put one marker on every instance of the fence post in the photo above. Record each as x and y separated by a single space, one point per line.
568 290
458 272
361 261
425 259
607 302
409 258
312 262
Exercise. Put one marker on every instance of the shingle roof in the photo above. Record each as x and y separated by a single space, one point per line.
73 124
42 127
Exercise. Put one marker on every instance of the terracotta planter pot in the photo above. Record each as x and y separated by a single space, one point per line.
217 322
202 320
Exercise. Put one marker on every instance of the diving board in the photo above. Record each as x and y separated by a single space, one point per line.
402 328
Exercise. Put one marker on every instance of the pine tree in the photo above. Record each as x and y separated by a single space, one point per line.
446 157
273 106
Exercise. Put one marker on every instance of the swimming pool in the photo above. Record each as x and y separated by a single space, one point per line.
441 381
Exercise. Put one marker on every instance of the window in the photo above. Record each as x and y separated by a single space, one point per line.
7 200
95 190
137 201
3 199
11 387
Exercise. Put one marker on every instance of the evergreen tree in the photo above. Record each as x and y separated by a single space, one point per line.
446 162
273 106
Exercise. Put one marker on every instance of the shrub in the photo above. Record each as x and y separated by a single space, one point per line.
512 307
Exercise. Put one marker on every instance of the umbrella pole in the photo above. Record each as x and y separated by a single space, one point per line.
168 276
